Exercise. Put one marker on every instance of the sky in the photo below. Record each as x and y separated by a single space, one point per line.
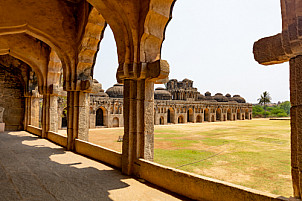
211 43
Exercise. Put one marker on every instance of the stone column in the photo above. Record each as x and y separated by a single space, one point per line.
27 114
296 123
138 141
34 111
49 114
77 117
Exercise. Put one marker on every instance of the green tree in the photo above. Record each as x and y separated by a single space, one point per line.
286 107
264 99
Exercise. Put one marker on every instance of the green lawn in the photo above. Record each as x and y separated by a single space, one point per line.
254 154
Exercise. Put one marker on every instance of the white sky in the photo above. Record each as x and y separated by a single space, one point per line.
211 43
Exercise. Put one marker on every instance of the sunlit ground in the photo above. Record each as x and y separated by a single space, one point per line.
254 154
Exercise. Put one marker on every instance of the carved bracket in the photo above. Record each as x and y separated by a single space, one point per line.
157 71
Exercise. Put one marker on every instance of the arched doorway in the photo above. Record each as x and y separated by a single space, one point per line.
198 119
171 115
206 115
64 118
238 114
190 115
229 114
115 122
247 114
100 117
161 120
218 114
180 120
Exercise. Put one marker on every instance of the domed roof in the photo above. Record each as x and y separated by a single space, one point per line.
97 89
220 98
200 97
117 91
101 94
229 97
208 93
239 99
162 94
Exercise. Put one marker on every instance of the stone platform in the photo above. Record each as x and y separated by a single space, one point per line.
32 168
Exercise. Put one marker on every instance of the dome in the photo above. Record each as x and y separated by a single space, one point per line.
208 93
117 91
239 99
162 94
97 89
100 94
220 98
200 97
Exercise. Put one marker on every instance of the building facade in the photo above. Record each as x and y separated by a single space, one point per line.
179 103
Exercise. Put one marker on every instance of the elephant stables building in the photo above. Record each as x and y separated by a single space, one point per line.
180 102
46 43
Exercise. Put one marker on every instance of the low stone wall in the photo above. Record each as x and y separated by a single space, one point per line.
198 187
57 138
99 153
34 130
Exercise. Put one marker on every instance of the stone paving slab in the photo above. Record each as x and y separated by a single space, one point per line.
33 169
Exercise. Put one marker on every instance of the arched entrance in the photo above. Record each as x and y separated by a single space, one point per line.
64 118
171 115
190 115
180 120
206 115
229 114
115 122
247 114
238 114
198 119
218 114
100 117
161 120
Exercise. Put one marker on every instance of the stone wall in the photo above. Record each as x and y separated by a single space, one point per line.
11 98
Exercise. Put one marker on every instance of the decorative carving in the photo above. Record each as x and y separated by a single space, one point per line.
1 114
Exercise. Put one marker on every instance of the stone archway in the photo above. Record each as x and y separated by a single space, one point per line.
229 115
115 122
171 115
180 119
198 119
247 114
161 120
206 115
218 114
100 116
238 114
190 115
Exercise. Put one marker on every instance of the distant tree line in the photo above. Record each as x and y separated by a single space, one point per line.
263 110
279 110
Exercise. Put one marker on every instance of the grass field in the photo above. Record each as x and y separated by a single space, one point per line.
254 154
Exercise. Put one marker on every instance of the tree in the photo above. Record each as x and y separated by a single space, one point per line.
286 106
264 99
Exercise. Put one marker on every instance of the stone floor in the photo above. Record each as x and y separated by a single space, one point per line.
32 169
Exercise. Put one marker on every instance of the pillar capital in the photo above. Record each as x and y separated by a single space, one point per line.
157 71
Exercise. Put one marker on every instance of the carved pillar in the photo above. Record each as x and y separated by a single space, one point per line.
49 114
77 117
138 141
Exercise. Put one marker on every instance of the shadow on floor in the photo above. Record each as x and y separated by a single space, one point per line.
29 170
